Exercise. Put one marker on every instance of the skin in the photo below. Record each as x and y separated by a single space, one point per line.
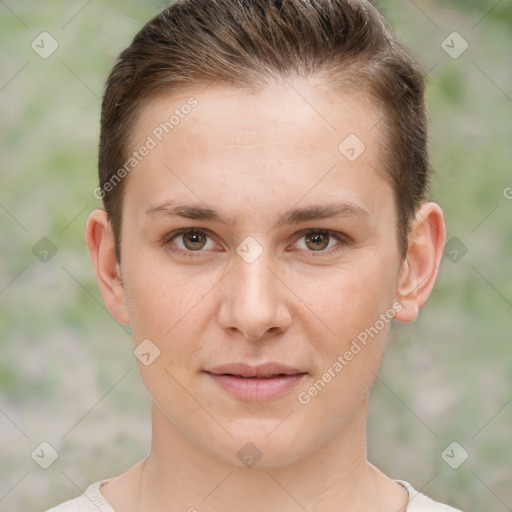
253 156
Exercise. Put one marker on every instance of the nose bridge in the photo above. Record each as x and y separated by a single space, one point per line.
253 302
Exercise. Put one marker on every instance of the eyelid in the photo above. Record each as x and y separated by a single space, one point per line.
342 239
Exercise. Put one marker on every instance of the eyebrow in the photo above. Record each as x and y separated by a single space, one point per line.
292 216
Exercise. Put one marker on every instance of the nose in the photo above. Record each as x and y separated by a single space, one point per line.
254 300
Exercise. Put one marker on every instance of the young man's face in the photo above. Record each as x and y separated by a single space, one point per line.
261 291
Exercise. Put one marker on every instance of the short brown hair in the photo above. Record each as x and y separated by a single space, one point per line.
246 43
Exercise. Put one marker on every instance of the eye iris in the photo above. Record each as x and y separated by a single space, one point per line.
198 240
316 238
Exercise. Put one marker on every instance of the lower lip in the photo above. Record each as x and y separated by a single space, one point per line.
257 389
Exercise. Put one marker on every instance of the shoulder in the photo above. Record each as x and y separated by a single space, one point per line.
90 501
418 502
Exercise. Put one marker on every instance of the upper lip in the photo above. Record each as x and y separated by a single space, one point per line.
263 370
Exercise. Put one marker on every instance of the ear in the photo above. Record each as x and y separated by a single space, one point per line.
100 241
420 268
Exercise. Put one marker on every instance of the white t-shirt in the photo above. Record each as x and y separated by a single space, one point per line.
93 501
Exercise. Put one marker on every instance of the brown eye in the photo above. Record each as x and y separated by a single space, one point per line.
188 241
194 240
317 240
322 242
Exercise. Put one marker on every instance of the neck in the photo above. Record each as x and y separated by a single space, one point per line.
179 475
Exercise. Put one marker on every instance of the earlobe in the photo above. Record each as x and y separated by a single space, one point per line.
100 241
420 268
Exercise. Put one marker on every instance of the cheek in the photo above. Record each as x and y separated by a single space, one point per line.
159 297
166 307
351 357
353 299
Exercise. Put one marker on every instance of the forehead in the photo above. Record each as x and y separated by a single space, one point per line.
297 111
289 140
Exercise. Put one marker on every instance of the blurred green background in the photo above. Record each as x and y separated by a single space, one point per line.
67 372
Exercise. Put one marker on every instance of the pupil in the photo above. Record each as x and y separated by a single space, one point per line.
196 239
318 238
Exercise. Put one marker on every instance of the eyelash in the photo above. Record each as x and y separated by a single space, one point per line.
342 239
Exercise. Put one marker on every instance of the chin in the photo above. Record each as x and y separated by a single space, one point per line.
255 445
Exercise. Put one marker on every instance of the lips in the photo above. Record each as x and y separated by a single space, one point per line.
263 382
263 371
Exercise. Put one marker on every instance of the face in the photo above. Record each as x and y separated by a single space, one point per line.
253 247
